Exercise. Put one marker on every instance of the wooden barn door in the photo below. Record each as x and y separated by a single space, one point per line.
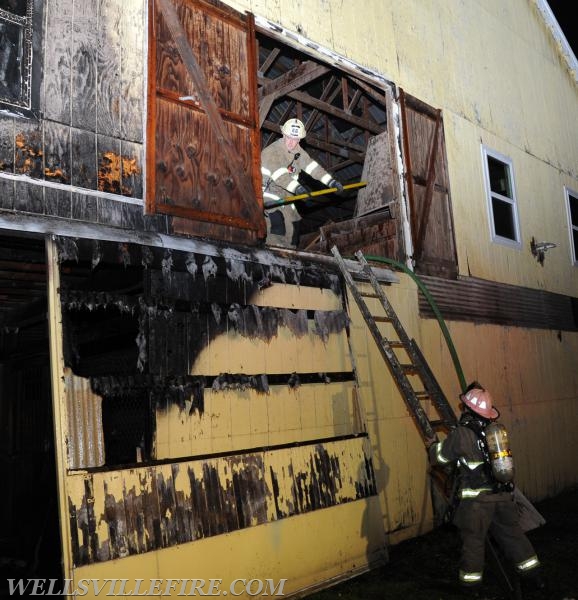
427 182
203 152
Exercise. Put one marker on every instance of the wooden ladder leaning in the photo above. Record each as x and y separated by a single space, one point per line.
406 363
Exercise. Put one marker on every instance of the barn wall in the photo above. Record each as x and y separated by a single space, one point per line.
88 150
531 374
276 435
526 108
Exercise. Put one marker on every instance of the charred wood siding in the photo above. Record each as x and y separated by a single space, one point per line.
480 301
90 133
128 512
135 321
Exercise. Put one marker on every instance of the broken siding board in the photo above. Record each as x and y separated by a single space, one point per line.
58 61
83 160
108 57
57 152
84 65
132 27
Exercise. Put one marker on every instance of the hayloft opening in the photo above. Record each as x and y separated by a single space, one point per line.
342 111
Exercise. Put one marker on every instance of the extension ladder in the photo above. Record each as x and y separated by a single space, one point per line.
407 364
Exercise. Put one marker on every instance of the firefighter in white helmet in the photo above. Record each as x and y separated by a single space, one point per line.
486 502
281 163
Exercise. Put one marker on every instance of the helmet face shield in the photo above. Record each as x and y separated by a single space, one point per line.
294 128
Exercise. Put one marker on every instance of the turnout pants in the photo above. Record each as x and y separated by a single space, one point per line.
495 514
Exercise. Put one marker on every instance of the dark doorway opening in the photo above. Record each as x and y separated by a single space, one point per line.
30 545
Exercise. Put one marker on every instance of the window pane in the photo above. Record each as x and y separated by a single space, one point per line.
573 201
575 238
11 60
503 219
499 177
16 7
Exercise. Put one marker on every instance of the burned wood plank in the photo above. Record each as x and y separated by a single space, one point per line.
84 71
57 152
83 207
132 27
29 154
108 56
167 508
7 147
183 510
28 197
131 183
6 193
109 212
83 158
132 217
115 518
58 61
58 202
109 161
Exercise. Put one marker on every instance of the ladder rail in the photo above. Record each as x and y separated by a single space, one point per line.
430 383
386 350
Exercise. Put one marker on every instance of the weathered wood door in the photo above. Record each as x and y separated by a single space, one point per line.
432 230
203 134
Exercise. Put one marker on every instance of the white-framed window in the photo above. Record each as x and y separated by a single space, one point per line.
501 196
572 209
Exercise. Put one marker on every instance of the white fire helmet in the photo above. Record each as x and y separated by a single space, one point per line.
480 402
294 128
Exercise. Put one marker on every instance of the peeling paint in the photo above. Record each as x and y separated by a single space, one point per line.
130 512
114 169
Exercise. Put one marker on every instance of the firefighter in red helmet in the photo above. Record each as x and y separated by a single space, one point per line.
485 492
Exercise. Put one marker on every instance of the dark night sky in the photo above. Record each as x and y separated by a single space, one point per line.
564 12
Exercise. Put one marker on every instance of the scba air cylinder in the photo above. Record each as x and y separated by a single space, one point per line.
499 451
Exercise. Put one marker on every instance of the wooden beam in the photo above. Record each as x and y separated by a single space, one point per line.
269 61
291 80
305 98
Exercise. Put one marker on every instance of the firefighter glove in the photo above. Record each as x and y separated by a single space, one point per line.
336 184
